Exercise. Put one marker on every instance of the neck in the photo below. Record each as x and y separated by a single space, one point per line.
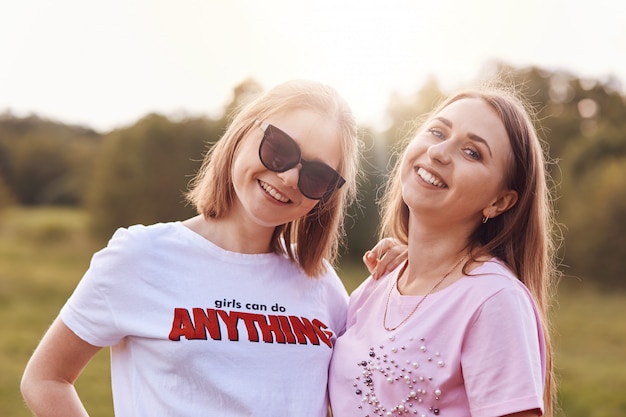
232 235
432 254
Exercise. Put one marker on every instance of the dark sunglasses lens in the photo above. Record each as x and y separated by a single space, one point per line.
278 152
317 179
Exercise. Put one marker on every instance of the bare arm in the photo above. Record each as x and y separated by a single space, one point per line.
48 380
527 413
384 257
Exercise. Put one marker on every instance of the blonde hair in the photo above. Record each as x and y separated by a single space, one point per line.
315 237
524 237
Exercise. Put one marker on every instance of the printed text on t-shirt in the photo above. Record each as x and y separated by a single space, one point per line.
200 324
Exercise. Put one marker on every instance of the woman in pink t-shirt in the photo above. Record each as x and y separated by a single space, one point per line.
461 327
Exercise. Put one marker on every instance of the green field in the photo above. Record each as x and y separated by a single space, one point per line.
43 253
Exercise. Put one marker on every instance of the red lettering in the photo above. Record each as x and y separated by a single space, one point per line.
206 321
324 335
286 328
273 329
181 325
249 319
272 325
303 329
231 323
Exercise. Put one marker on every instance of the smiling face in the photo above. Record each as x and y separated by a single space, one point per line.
269 198
456 166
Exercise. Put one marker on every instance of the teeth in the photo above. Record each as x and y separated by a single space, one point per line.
429 178
272 191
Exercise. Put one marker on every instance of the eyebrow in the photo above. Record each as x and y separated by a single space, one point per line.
472 136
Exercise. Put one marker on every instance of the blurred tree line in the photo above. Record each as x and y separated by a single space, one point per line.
138 174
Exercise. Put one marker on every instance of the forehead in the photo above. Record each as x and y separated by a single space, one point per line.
318 136
474 116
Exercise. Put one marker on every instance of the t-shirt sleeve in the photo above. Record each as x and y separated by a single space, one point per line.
503 356
337 300
359 297
91 311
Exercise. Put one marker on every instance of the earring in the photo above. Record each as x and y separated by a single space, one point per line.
485 219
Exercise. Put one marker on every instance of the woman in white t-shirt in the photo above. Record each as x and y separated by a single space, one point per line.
234 312
461 327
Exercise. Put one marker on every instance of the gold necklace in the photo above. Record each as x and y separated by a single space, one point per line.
390 329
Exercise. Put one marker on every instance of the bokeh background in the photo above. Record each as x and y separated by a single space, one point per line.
107 107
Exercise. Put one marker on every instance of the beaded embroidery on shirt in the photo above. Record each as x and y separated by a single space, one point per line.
421 399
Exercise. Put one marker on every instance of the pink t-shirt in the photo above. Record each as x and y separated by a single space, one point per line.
474 348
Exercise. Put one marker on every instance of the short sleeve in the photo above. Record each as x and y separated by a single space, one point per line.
89 311
337 299
503 356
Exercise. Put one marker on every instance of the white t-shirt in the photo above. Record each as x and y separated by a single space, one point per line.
474 349
197 330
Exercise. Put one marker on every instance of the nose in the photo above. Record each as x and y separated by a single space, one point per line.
291 176
440 152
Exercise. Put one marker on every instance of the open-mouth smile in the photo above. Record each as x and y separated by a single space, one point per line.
273 192
430 178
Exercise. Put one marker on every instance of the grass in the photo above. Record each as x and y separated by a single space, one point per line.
44 252
590 340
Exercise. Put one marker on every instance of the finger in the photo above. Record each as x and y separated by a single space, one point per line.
371 261
383 246
392 259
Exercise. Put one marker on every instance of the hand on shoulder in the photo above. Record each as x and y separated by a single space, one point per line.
385 256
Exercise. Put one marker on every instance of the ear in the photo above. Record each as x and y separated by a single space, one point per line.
504 202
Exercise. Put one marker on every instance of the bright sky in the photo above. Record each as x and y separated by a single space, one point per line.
107 63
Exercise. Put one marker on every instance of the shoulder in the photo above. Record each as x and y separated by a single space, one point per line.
494 287
326 285
494 276
374 287
490 284
331 282
140 233
135 243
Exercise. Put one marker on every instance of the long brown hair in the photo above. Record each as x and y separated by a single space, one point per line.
525 236
315 237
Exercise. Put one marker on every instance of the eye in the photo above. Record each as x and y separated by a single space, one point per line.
472 153
436 132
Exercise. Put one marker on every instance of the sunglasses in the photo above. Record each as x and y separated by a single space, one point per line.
279 153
